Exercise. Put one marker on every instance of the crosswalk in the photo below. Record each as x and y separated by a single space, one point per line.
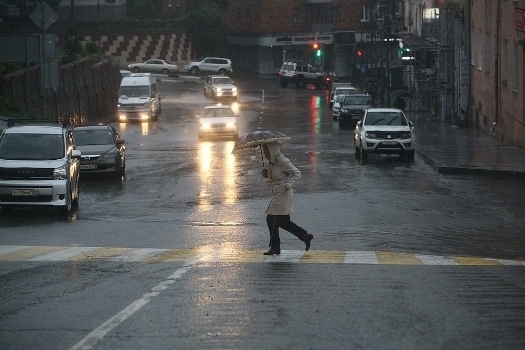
209 254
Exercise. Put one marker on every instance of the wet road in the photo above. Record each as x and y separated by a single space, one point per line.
171 257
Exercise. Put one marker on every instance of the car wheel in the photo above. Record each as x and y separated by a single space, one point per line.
357 153
76 201
363 155
165 71
135 69
121 172
66 209
222 71
194 70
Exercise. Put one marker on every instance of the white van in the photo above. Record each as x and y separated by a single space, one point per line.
138 98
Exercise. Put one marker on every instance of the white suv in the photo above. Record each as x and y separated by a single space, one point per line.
384 131
216 65
302 74
39 166
219 87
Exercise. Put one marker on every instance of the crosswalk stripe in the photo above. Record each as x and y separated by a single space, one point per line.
28 253
210 254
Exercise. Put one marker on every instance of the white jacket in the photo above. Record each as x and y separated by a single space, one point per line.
281 174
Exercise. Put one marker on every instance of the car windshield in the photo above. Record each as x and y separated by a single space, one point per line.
344 91
339 98
217 113
134 91
93 137
385 118
357 100
222 81
31 147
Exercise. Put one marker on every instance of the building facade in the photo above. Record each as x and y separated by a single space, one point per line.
264 33
498 69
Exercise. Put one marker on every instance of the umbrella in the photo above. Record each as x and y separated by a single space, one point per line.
400 93
252 141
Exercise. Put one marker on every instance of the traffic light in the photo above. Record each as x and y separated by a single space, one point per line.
318 53
315 46
359 54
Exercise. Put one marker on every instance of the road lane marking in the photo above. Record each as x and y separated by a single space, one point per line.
360 257
101 331
389 258
212 254
435 260
28 253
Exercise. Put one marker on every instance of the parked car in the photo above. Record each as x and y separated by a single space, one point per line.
215 65
353 108
219 87
154 66
39 166
218 120
102 148
336 107
384 131
336 85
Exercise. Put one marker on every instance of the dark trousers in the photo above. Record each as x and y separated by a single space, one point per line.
282 221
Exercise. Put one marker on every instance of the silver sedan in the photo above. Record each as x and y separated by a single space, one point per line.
154 66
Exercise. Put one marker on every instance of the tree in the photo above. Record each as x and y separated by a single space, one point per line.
206 25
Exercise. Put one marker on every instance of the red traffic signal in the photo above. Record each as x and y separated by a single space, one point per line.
359 53
315 46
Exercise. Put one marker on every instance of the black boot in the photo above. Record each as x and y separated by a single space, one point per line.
273 251
306 239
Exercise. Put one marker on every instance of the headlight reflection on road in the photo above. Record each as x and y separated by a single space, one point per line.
216 174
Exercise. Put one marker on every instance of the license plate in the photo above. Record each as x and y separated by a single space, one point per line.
88 166
25 193
389 142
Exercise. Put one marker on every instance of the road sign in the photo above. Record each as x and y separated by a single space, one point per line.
43 15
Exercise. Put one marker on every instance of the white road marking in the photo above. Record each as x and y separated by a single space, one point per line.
360 257
292 256
63 254
100 332
138 255
435 260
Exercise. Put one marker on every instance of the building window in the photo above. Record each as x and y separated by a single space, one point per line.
480 52
504 62
248 17
515 65
296 15
238 18
365 14
488 53
335 14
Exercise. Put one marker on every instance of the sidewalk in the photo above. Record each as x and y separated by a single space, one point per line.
458 150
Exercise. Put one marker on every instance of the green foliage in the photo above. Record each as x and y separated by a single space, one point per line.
207 27
92 50
8 109
143 9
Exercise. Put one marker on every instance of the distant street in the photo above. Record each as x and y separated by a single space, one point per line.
171 257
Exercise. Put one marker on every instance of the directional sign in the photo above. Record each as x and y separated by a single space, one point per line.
43 15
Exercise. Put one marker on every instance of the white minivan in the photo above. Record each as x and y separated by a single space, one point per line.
138 98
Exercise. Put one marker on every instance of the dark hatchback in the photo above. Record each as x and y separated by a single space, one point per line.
102 149
353 108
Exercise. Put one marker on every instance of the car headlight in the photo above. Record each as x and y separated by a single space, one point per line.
234 89
218 89
406 135
344 110
370 135
230 125
205 126
60 173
